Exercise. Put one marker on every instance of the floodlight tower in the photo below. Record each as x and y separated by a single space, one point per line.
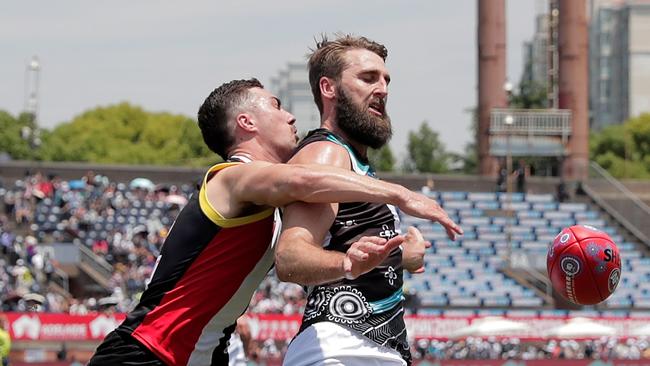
32 74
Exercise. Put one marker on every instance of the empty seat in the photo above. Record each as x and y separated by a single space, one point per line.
572 207
536 198
482 196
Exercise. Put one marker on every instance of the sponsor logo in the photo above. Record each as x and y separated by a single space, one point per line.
564 238
570 289
102 325
387 232
614 277
570 266
610 255
391 275
27 326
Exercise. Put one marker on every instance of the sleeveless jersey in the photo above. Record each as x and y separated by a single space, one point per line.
208 269
372 303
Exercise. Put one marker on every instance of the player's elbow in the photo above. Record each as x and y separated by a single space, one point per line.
283 268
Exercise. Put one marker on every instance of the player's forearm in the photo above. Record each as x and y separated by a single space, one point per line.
322 184
300 262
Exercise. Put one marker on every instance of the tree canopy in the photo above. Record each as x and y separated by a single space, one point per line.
624 150
126 134
426 154
18 136
382 160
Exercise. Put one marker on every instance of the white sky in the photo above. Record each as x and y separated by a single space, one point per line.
168 55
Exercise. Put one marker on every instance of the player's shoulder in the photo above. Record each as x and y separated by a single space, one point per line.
240 170
322 152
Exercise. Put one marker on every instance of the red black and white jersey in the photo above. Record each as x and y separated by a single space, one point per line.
208 270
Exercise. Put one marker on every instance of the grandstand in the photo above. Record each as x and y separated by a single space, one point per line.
87 244
472 272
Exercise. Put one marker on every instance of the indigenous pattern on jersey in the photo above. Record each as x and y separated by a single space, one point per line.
372 303
208 269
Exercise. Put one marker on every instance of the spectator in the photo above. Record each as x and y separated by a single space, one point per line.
521 175
5 342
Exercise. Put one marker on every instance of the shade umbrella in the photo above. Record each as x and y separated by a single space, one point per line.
581 328
642 331
142 183
491 326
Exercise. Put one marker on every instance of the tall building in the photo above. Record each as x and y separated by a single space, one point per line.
291 85
536 53
619 66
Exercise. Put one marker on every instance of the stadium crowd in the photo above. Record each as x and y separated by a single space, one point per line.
123 224
126 226
512 348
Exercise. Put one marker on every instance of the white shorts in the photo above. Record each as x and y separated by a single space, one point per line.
236 354
331 344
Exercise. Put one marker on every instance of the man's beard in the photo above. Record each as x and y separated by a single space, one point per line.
361 126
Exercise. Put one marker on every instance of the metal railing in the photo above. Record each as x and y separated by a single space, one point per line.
553 122
618 201
97 263
62 279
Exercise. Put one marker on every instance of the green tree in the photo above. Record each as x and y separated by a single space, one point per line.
531 95
470 158
382 159
426 154
624 150
18 136
127 134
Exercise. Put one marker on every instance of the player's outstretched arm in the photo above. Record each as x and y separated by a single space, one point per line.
266 184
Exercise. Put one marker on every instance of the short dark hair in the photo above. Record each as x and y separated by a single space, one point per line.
217 108
327 59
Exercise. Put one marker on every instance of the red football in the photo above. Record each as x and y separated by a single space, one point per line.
584 264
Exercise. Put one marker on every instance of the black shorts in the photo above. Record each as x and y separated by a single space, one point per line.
121 349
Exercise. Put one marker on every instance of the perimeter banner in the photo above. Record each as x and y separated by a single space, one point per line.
57 327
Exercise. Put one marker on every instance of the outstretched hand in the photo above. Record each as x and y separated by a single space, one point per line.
421 206
367 253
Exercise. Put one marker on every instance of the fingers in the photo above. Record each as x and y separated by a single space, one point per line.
372 239
393 243
357 254
451 227
419 270
368 247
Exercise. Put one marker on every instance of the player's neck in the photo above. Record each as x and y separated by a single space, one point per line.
255 153
330 124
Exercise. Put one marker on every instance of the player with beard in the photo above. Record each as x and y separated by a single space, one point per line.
220 246
356 320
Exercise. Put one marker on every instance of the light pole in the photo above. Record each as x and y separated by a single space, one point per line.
32 73
509 120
